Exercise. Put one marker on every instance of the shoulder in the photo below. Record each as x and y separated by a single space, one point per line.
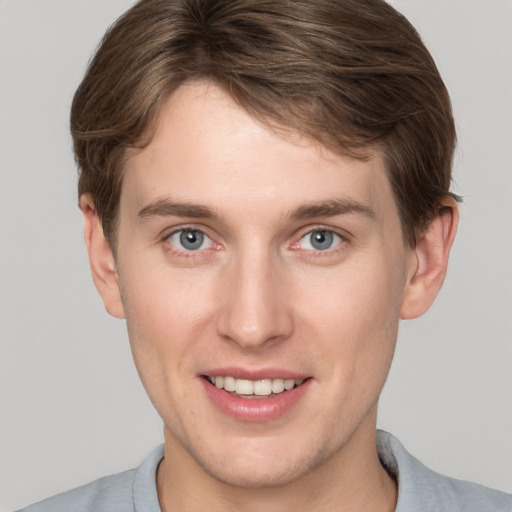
115 493
421 489
108 494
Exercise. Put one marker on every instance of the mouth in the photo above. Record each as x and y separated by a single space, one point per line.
256 395
253 388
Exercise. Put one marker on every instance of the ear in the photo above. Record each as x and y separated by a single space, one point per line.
101 259
430 261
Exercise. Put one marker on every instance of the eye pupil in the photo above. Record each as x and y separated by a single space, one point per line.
321 240
191 240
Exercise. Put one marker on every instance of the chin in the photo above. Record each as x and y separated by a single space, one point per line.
258 476
261 467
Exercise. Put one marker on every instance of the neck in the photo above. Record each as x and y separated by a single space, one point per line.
351 480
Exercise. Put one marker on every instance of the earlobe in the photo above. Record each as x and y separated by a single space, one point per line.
101 259
430 261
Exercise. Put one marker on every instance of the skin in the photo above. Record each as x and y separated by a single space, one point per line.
258 295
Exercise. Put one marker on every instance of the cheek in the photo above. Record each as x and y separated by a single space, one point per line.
362 293
353 313
167 300
167 314
166 319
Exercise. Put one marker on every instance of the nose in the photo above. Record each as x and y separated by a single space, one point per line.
255 308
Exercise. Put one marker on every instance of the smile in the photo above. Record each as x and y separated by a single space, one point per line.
258 399
263 387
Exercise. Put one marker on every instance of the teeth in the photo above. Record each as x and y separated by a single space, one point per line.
277 386
288 384
263 387
229 383
244 387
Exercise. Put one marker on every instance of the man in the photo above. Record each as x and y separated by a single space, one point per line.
265 187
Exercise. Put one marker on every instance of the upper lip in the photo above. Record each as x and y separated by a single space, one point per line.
254 374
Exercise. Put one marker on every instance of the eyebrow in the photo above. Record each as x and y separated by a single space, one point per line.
331 208
169 208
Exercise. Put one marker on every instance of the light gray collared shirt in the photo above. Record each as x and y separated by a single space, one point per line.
419 488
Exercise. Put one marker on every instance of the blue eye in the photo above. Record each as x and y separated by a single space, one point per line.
190 240
320 240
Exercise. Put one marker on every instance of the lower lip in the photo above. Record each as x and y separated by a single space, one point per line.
264 408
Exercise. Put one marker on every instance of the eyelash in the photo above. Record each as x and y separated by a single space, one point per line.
318 253
295 246
183 253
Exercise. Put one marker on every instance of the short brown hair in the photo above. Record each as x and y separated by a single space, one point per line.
351 74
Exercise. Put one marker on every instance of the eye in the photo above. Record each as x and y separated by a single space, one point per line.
320 240
190 240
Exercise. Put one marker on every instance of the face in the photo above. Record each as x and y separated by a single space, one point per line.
262 279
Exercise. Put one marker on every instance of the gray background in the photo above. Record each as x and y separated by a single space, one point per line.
72 408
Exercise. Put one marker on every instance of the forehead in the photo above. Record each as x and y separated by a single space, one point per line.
208 150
